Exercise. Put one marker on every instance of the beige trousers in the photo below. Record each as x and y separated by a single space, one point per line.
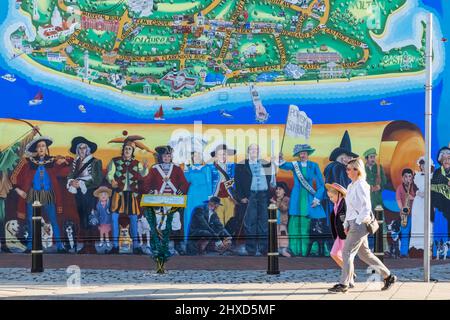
357 244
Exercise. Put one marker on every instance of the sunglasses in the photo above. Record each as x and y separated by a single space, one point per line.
354 169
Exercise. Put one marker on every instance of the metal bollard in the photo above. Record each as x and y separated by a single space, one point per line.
379 250
272 254
37 252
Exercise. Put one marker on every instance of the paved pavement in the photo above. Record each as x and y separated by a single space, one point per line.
310 284
142 262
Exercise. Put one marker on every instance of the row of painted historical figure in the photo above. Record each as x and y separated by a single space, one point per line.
241 193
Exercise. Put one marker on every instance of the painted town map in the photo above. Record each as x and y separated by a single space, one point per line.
178 48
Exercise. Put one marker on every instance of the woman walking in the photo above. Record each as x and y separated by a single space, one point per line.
355 227
336 193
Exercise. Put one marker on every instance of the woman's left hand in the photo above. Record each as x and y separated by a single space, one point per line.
366 219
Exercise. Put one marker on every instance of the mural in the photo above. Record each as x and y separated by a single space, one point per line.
105 101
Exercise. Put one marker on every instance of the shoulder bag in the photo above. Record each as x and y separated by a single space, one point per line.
372 225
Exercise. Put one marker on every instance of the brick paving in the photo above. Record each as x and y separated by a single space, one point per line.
211 277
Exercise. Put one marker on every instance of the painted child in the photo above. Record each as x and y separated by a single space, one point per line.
281 199
103 194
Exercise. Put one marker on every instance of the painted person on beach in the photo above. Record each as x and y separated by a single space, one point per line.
336 193
305 200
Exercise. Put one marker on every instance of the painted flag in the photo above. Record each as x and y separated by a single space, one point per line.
298 124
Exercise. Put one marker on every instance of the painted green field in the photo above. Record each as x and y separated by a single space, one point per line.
266 51
102 39
106 7
44 10
166 9
152 41
269 13
223 11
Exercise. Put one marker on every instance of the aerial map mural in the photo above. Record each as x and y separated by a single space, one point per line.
205 81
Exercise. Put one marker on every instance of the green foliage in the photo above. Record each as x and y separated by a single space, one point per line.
159 240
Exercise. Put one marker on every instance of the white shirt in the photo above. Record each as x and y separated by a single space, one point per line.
358 202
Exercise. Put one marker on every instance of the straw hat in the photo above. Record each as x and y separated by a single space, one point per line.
337 187
102 189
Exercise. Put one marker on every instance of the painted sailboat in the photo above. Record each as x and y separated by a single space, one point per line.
9 77
159 115
225 114
261 114
38 98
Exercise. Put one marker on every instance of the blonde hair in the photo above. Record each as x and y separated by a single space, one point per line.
358 164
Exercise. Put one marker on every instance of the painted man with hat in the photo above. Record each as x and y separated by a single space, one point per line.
124 174
85 176
377 181
36 179
375 177
9 158
223 181
167 178
305 200
206 227
440 189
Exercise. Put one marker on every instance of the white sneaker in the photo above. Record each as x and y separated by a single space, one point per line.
102 243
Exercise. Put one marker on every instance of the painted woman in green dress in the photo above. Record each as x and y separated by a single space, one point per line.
305 200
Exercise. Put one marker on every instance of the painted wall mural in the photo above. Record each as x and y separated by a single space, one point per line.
104 101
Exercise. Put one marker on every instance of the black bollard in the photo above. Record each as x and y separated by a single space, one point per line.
36 252
379 250
272 254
